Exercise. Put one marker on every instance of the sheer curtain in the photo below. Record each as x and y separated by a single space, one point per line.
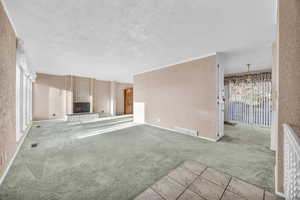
24 79
248 99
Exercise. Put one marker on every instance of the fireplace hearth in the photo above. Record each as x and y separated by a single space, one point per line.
81 107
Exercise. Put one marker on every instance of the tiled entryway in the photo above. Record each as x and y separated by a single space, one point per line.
194 181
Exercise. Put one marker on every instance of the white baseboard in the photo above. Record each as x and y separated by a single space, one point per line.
46 120
280 194
177 131
99 119
15 154
206 138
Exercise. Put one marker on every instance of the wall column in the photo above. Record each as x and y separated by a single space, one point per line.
28 101
113 98
24 101
274 127
69 94
91 94
288 70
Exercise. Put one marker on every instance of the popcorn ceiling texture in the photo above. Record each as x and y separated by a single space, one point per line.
7 90
114 39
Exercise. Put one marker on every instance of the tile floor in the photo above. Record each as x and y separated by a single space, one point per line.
195 181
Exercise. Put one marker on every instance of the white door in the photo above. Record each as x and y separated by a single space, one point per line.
220 101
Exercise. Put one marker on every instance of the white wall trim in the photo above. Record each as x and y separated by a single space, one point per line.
274 131
45 120
113 98
98 119
79 75
275 11
9 17
253 125
280 194
176 131
206 138
171 65
15 154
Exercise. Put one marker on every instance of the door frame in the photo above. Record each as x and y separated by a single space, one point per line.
220 101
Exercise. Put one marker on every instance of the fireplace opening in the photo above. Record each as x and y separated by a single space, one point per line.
81 107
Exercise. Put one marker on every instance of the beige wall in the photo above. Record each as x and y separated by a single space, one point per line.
120 87
182 95
82 88
101 97
288 69
7 90
49 97
69 93
53 95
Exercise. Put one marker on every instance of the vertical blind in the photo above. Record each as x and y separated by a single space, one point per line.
248 99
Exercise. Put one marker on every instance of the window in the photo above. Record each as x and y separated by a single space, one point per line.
249 99
24 80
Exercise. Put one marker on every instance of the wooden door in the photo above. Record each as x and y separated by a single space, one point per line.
128 101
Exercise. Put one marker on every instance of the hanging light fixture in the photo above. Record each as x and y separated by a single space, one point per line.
249 77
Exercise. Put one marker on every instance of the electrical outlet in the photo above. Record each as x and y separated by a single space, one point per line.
34 145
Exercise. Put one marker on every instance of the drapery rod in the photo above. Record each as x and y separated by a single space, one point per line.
245 76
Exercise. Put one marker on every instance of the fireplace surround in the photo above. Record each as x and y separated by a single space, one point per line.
81 107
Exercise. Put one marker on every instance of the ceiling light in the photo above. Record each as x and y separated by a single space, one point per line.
249 78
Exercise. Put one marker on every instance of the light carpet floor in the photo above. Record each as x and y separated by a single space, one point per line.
95 160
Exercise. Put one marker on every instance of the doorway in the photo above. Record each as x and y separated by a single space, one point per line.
248 108
128 101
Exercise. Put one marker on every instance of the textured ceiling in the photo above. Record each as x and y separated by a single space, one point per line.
114 39
259 58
